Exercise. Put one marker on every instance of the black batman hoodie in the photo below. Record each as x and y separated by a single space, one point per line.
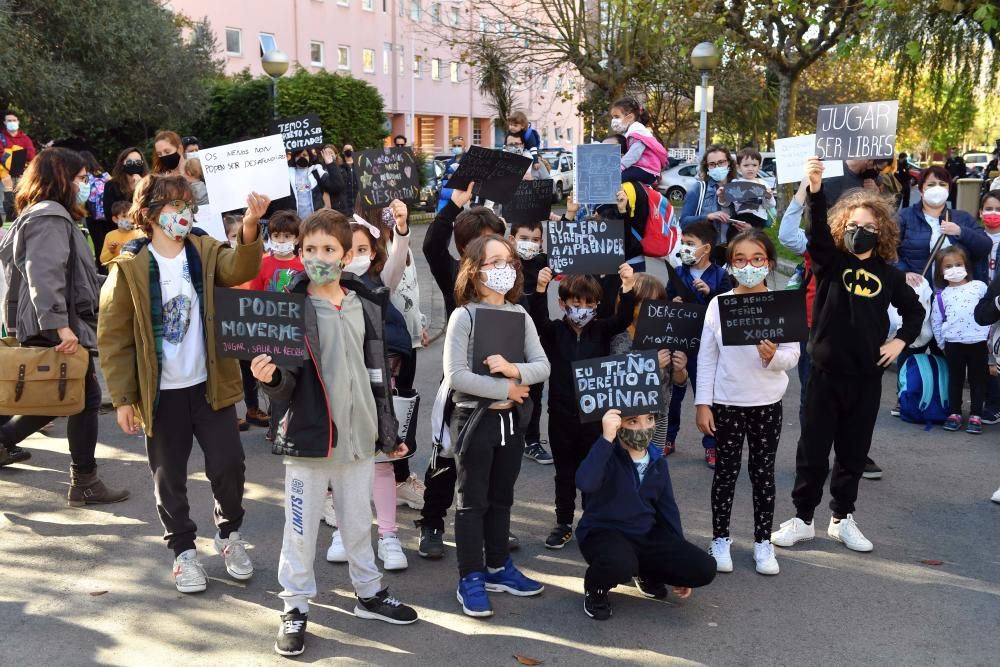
850 313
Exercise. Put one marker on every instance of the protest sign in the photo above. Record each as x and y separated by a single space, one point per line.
386 174
589 246
778 316
745 195
598 173
495 173
209 220
627 382
249 323
497 332
669 325
299 132
865 130
532 202
235 170
791 153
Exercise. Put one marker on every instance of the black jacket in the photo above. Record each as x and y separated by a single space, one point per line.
344 202
443 266
331 182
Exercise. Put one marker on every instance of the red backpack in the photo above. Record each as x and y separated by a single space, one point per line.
661 231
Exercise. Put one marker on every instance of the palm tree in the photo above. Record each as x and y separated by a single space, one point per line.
494 77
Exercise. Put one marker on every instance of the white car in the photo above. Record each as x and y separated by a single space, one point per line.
561 173
676 181
976 163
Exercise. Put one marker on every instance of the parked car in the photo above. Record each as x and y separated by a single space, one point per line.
676 181
976 163
430 191
562 174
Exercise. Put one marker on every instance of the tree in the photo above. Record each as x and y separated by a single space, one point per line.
495 76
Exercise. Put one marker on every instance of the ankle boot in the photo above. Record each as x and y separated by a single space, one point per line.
87 489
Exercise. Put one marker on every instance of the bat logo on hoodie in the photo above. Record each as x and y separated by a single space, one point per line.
861 282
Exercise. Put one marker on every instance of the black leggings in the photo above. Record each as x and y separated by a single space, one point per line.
404 380
661 557
971 359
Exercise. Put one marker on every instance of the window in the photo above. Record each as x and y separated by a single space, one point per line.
690 170
343 57
316 53
436 69
368 5
402 59
477 134
234 41
569 134
386 58
454 16
343 3
559 134
454 72
400 5
559 84
368 61
418 66
545 83
483 24
267 43
415 10
436 13
500 27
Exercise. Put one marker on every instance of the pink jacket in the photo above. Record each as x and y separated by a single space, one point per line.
654 158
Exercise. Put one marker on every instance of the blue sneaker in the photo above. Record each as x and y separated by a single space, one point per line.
472 594
511 580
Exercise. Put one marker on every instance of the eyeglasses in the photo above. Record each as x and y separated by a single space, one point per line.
757 261
853 227
502 264
721 163
179 204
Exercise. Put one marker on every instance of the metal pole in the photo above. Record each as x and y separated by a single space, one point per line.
274 97
703 133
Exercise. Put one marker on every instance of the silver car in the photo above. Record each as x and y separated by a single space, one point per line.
676 181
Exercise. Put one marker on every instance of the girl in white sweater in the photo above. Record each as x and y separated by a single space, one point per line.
739 397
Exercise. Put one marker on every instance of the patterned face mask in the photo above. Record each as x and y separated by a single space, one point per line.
176 225
636 439
321 272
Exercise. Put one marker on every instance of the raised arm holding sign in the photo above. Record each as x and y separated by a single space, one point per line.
598 173
386 174
497 173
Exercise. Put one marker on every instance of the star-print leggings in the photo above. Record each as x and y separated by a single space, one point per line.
760 426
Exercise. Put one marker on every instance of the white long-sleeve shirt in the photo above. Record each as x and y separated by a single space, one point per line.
735 374
959 303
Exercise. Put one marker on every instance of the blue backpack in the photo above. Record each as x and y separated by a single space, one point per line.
923 390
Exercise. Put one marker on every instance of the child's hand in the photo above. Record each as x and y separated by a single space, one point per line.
677 299
544 278
701 286
718 216
680 360
611 422
705 420
461 198
627 274
400 451
622 200
554 217
993 370
262 368
113 246
682 592
814 172
400 214
766 350
914 280
572 206
740 225
497 364
425 337
890 351
518 392
663 357
126 419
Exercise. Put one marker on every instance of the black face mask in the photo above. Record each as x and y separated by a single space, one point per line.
170 162
348 153
869 173
860 240
134 167
302 162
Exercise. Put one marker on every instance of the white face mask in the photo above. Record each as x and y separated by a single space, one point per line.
688 254
502 280
936 195
359 265
619 126
528 250
286 248
955 274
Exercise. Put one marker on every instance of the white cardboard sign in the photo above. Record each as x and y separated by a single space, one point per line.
235 170
791 153
211 222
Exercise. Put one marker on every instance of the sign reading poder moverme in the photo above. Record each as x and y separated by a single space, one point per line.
249 323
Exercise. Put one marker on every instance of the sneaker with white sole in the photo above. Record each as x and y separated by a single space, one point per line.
536 452
846 531
336 553
234 552
329 512
385 607
410 492
292 633
390 552
763 558
719 550
793 531
189 575
996 496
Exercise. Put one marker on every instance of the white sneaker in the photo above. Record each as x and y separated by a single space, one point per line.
410 492
189 575
329 512
336 553
793 531
390 552
996 496
719 550
763 556
847 531
234 552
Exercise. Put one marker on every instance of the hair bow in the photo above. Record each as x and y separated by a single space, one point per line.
375 231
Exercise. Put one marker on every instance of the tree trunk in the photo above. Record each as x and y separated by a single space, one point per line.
787 98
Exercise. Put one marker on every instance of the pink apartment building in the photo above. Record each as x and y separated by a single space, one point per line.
429 95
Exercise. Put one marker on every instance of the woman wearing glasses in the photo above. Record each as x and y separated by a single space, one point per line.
702 201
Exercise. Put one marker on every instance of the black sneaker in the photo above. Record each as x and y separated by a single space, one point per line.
991 416
292 634
596 605
872 471
559 536
656 590
431 542
384 607
13 455
513 544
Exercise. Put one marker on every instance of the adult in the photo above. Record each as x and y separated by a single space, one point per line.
991 174
190 145
98 218
956 168
513 143
13 136
316 183
857 174
352 185
128 170
717 167
168 154
399 141
457 150
905 179
56 289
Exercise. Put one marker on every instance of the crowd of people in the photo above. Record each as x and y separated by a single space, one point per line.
331 419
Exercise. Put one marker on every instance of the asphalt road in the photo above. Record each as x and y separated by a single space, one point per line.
93 586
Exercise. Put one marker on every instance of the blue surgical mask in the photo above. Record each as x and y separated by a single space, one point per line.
83 193
718 174
456 150
12 125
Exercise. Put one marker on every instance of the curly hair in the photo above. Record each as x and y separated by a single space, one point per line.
467 281
158 189
882 210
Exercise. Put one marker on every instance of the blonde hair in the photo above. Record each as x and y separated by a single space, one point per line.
881 209
192 168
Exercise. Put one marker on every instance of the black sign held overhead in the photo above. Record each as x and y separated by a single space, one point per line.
386 174
627 382
532 202
249 323
299 132
669 325
779 317
497 332
590 246
866 130
598 173
495 173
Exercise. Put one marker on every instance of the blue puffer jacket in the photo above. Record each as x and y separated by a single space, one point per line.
915 241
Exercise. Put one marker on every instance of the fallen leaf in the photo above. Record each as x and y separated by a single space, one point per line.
932 562
96 593
527 661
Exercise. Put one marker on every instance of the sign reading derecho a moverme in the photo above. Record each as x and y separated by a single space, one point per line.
627 382
249 323
233 171
669 325
865 130
588 246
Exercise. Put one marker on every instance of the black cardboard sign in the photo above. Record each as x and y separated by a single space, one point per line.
589 246
628 382
495 173
865 130
249 323
532 202
738 192
669 325
299 132
598 173
497 332
778 316
386 174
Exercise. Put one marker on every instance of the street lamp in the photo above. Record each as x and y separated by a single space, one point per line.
275 64
704 58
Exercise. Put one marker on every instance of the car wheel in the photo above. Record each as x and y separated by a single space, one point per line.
675 194
557 194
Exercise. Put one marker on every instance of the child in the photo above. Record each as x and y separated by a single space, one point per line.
117 238
646 157
518 125
340 412
163 370
752 213
487 425
631 527
854 286
989 213
739 397
579 334
956 332
196 178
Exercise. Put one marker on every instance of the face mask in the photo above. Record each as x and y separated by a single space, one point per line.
134 167
176 225
302 162
955 274
688 254
170 162
513 149
83 193
991 219
125 225
528 250
751 276
500 280
456 150
859 241
718 174
348 153
936 195
286 248
321 272
581 317
191 155
636 439
12 125
619 126
359 265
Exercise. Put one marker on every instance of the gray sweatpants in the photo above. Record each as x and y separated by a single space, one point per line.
306 481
